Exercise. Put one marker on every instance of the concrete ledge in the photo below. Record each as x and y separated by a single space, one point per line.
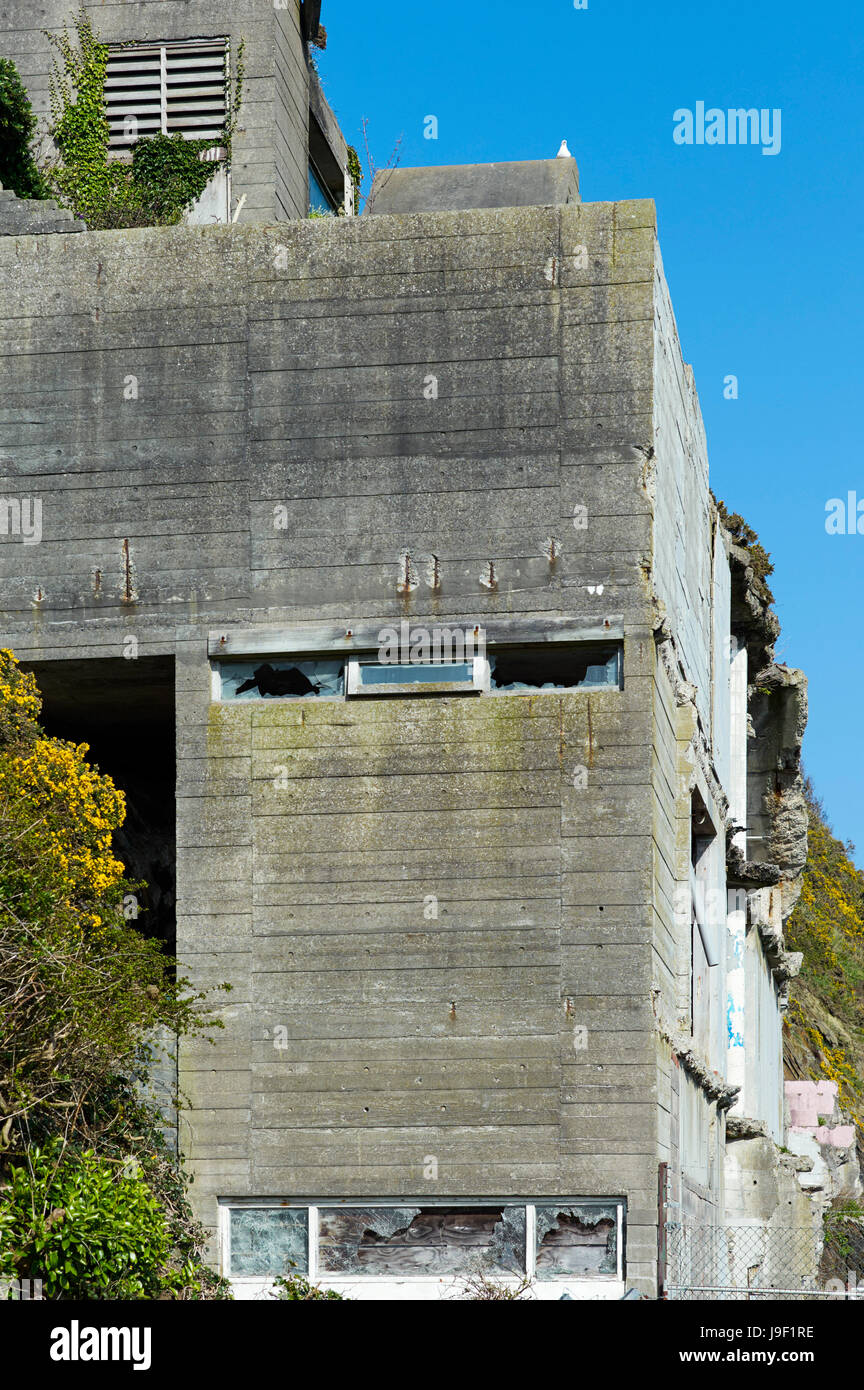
457 187
30 216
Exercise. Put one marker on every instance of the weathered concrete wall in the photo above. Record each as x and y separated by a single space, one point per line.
684 548
286 367
437 396
451 187
692 729
30 217
270 146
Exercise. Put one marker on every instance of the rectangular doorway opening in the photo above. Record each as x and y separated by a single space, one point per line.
124 710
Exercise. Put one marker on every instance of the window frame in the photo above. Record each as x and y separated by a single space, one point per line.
480 684
420 1285
354 689
324 190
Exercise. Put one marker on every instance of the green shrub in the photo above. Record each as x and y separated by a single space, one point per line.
83 1227
18 169
295 1289
92 1201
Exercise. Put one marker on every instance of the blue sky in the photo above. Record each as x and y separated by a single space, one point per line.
762 253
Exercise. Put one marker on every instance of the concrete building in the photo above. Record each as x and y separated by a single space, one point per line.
383 550
170 67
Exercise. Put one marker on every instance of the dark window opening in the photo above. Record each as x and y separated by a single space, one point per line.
326 175
707 922
320 198
577 1241
556 667
124 710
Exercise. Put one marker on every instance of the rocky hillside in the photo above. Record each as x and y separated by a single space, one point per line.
824 1028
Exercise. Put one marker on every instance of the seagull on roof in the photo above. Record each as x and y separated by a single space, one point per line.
563 153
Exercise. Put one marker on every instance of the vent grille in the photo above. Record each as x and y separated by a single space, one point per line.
169 88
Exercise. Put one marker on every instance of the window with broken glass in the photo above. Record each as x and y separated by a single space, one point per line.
565 1240
507 671
555 667
281 680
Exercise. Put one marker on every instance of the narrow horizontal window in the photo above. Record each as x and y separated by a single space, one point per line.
417 678
400 1241
282 680
555 667
506 671
507 1240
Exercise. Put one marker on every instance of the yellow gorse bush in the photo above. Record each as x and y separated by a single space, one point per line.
54 795
20 701
78 809
828 927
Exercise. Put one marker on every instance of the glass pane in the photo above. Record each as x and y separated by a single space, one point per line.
412 1242
319 199
267 1241
281 680
576 1242
415 673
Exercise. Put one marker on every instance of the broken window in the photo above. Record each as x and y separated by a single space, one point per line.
268 1241
406 1241
575 1242
556 667
507 671
282 680
320 197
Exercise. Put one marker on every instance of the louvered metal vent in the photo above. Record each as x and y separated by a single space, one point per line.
153 88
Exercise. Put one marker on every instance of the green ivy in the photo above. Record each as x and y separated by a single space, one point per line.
169 174
18 169
356 174
166 174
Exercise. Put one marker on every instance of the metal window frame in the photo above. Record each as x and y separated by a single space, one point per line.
313 1207
354 689
329 197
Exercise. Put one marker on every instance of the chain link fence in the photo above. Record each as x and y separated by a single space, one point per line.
752 1262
